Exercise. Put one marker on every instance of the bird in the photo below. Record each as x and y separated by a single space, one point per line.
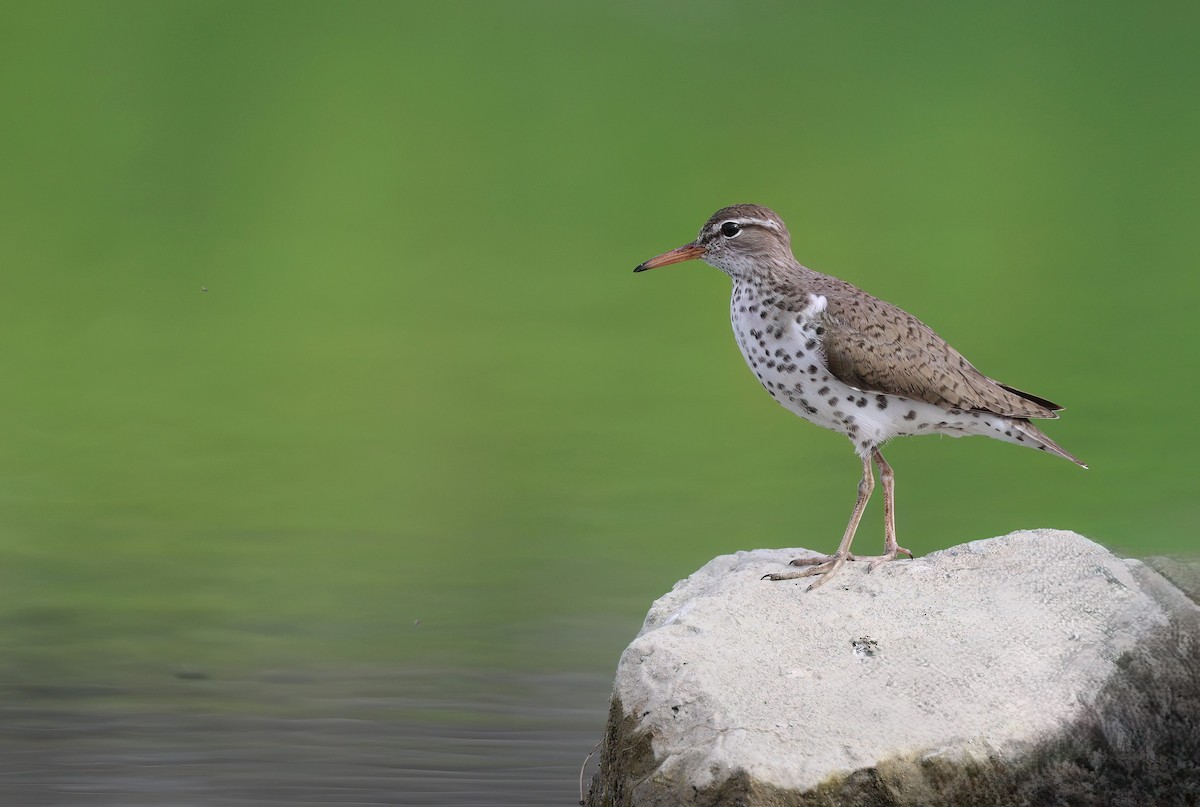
852 363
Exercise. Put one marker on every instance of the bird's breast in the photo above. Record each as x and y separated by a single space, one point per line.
781 342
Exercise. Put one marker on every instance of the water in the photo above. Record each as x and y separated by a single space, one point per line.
343 453
369 736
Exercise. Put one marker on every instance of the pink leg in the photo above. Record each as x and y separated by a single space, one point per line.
828 565
890 547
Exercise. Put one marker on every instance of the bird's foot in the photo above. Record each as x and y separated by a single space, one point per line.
890 553
824 565
828 565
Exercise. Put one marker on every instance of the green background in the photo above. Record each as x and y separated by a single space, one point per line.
321 345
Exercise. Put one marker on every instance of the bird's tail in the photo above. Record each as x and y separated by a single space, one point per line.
1036 438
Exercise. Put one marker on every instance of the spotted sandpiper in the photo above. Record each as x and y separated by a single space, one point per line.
842 359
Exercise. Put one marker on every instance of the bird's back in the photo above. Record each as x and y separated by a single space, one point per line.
878 347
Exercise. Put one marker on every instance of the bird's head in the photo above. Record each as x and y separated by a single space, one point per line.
743 241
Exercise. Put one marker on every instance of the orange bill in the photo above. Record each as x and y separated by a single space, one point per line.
686 252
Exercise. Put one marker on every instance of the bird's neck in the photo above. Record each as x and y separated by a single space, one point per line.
777 276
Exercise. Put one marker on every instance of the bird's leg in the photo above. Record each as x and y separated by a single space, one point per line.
890 547
828 565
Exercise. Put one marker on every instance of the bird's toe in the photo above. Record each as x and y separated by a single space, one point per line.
890 554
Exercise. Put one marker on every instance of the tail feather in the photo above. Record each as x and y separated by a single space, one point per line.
1042 441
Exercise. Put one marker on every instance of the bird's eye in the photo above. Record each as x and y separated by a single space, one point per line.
730 228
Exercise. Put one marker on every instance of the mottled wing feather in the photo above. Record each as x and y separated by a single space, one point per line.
877 347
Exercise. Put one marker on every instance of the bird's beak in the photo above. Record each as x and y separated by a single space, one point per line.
686 252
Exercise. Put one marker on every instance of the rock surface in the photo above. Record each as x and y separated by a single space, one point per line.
1036 662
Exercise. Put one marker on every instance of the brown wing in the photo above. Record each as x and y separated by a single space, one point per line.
875 346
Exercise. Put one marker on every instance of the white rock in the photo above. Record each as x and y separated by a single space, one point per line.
975 653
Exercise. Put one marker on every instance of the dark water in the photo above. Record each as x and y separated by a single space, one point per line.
369 738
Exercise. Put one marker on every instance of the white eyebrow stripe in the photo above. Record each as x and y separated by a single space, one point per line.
760 222
771 225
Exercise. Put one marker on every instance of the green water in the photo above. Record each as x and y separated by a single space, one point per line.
323 349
